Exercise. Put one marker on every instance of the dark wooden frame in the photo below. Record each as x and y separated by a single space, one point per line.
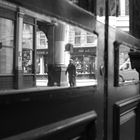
31 76
116 63
82 126
116 45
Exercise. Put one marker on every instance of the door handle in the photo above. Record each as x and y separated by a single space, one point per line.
102 70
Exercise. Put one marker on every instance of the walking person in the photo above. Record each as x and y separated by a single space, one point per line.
71 69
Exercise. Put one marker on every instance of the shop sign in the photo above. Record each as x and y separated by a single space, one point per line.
84 50
81 50
42 52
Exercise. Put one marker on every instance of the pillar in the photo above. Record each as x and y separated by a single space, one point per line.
59 54
50 35
18 56
56 35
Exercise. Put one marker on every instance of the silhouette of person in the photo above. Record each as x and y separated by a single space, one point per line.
71 69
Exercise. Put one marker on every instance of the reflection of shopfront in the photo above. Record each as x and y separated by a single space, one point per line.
41 61
85 59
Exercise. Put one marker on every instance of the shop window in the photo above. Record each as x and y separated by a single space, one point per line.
75 47
27 48
85 65
6 46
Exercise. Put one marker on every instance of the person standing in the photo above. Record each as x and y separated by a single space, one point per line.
71 69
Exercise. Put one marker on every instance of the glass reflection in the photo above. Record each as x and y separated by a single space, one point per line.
70 42
126 73
118 13
6 46
83 54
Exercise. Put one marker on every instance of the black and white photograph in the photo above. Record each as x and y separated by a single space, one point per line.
69 70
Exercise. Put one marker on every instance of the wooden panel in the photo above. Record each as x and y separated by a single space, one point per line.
28 81
135 18
5 13
6 82
65 129
23 110
124 119
127 121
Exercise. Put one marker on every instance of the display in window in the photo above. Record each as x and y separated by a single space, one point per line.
27 48
27 61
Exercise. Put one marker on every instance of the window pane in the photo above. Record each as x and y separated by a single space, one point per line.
126 72
77 36
118 13
70 42
77 40
90 38
83 56
6 46
27 48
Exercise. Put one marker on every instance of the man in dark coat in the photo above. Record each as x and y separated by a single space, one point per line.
71 69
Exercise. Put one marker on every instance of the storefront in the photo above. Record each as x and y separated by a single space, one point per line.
32 46
85 61
18 50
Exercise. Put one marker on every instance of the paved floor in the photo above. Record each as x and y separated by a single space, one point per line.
42 84
83 82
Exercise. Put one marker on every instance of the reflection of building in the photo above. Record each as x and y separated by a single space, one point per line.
118 8
84 50
123 15
119 14
84 43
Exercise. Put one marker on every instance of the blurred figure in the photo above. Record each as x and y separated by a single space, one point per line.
71 69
